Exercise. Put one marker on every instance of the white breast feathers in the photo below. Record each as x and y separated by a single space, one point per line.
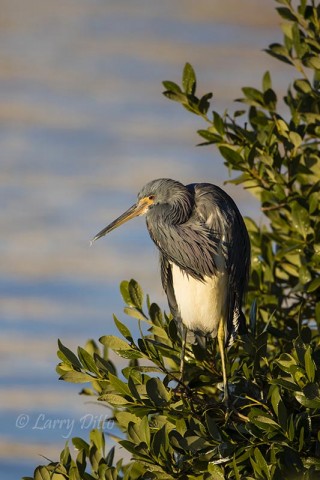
201 304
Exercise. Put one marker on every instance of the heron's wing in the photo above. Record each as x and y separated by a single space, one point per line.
188 245
167 284
221 216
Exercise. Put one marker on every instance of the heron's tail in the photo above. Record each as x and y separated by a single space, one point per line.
238 327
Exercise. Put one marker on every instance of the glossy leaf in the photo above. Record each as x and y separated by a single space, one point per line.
76 377
189 79
171 86
230 155
123 329
157 391
136 294
114 342
68 355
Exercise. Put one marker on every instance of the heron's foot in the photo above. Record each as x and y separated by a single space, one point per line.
226 399
230 401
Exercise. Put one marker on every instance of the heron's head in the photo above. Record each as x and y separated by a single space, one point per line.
168 193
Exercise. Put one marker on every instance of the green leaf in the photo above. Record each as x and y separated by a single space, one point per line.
279 407
313 62
253 96
286 362
204 103
295 138
124 418
306 334
129 354
104 365
313 285
286 13
160 442
171 86
134 313
124 290
263 420
210 136
218 123
134 432
301 349
300 218
68 356
110 457
314 202
176 96
196 443
145 430
113 342
118 385
212 427
270 99
132 293
216 473
189 79
309 364
42 473
136 294
303 86
231 155
80 444
133 389
287 385
120 347
266 82
262 463
280 52
282 127
309 397
97 438
155 314
157 392
58 476
87 361
76 377
113 399
123 329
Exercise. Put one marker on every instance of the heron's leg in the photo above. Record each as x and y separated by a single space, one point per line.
221 342
183 351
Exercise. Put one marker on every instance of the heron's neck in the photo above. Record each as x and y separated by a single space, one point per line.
171 214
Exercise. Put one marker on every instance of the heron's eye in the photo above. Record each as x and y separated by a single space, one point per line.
151 197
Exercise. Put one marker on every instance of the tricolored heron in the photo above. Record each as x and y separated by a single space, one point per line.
204 254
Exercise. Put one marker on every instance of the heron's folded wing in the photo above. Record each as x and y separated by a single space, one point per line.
167 284
222 217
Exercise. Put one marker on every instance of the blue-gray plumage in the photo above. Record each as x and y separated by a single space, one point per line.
204 254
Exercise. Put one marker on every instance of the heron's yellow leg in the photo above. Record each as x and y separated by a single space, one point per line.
183 351
221 342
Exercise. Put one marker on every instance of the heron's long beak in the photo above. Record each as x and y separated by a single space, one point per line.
137 209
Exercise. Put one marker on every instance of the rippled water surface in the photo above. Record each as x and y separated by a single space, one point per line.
83 126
